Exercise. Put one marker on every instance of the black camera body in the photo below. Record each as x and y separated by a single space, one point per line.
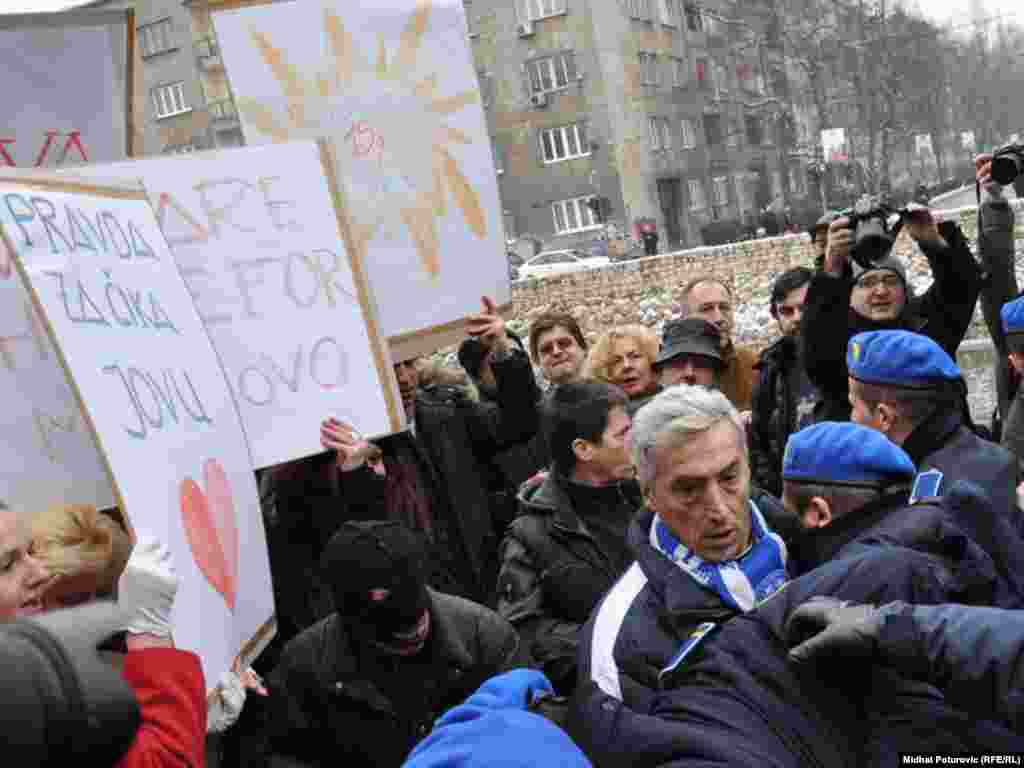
1007 163
873 235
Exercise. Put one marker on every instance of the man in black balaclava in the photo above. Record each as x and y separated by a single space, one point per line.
367 683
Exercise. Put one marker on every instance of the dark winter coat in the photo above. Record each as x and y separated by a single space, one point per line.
326 707
943 314
736 702
554 571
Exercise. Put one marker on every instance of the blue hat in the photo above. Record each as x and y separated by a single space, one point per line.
493 729
1013 316
900 359
841 453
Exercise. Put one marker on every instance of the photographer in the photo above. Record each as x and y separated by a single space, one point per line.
845 299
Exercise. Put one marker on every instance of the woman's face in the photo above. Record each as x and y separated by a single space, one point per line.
69 591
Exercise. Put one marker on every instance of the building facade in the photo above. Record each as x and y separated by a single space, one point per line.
619 112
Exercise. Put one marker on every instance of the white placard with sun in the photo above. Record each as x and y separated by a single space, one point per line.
391 83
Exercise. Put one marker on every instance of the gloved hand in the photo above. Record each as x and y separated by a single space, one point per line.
512 690
826 628
147 588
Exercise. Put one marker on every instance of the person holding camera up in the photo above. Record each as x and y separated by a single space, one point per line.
862 286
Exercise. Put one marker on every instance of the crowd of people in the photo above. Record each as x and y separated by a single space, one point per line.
643 551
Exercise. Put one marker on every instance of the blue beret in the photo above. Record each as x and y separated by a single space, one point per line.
1013 316
899 359
835 452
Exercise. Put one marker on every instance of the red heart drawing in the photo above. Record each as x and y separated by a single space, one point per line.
210 528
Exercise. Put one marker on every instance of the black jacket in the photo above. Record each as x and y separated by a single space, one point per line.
973 654
326 706
943 314
455 438
773 413
738 702
553 572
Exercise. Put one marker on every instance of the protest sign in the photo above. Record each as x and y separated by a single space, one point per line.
71 80
256 236
391 84
153 393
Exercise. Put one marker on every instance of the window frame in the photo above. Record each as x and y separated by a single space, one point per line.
688 129
552 63
160 91
659 131
525 9
649 75
697 185
143 33
560 134
581 210
678 67
720 183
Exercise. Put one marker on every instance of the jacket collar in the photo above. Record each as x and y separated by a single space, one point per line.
931 434
817 546
552 497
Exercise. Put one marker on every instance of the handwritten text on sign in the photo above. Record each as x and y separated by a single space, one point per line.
255 235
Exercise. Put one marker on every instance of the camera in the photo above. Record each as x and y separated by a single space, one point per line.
874 229
1007 163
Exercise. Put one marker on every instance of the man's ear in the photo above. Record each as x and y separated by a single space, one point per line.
583 449
887 417
818 513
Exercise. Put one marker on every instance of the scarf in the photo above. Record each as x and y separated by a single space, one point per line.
741 583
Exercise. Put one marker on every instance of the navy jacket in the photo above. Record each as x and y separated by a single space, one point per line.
739 703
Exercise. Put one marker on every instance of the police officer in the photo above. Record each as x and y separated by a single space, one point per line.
904 385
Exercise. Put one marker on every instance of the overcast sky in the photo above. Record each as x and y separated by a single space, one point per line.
944 10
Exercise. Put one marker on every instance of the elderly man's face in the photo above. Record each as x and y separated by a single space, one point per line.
23 579
701 491
688 369
711 301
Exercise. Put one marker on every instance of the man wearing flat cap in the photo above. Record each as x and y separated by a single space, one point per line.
907 387
691 353
364 685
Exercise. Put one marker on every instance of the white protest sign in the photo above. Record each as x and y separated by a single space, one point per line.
154 392
47 453
257 238
67 79
392 84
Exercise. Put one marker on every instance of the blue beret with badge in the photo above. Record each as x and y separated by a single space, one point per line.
843 453
900 359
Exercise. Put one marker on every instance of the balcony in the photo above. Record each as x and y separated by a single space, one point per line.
208 55
223 114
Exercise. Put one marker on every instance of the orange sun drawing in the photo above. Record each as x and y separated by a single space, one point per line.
387 123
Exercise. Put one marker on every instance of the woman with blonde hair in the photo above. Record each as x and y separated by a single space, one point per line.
624 356
85 549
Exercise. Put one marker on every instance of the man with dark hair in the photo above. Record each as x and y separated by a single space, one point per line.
691 353
367 683
711 298
784 396
568 545
846 298
905 386
558 346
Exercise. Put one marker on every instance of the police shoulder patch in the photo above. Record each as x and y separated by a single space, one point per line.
927 486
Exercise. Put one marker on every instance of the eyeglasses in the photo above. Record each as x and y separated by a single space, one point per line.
873 281
548 348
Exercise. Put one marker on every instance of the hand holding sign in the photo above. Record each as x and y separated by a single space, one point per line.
353 451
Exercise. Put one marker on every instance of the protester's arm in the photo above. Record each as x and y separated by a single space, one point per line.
498 643
825 332
975 655
168 683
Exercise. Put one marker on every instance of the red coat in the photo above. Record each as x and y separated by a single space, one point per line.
171 691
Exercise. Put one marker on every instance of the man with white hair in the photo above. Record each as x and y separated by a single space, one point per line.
23 579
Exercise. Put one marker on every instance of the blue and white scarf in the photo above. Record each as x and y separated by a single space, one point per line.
756 575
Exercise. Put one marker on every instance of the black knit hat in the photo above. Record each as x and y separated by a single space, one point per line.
375 571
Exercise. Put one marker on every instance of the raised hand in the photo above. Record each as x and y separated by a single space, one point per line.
352 449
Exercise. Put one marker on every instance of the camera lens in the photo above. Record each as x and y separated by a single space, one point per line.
871 242
1005 168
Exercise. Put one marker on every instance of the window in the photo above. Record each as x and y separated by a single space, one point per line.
155 38
170 100
552 73
743 196
564 142
719 79
694 23
661 133
574 215
796 181
696 189
713 129
755 132
689 134
639 9
732 133
648 69
533 10
666 12
720 190
678 68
